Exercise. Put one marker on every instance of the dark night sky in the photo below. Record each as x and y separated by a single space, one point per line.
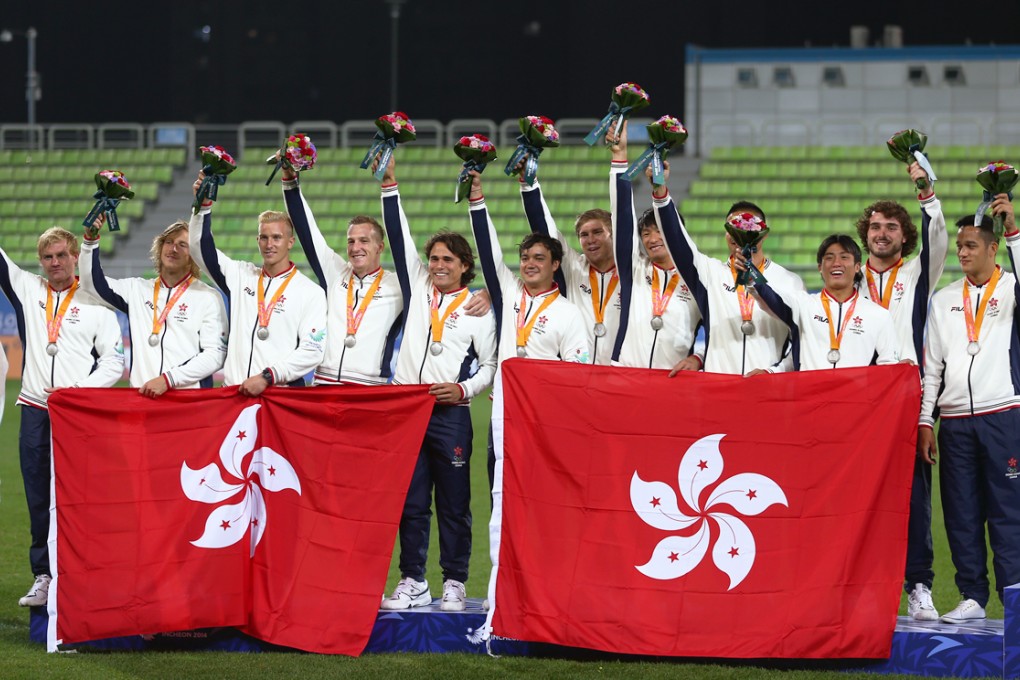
144 62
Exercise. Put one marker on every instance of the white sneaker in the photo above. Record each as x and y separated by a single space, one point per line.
38 594
408 593
485 604
967 610
919 604
454 597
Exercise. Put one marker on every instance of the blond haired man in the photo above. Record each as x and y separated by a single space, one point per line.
277 314
69 341
177 324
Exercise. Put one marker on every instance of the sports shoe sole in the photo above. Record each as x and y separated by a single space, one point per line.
419 601
452 606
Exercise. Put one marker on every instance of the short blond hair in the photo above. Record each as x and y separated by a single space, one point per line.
268 216
159 241
55 234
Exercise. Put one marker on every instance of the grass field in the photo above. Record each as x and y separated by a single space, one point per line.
21 659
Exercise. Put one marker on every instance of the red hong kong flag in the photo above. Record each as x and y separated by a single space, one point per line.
204 508
707 515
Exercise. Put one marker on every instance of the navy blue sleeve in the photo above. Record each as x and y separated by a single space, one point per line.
102 286
296 210
8 289
919 314
395 235
683 258
480 228
784 313
623 245
535 213
211 259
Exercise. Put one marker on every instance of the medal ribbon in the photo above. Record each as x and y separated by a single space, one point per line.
354 317
439 324
266 311
524 331
661 300
974 325
597 301
159 320
53 322
836 340
744 299
887 293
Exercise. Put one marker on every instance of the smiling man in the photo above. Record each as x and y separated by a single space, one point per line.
277 314
365 302
69 340
905 287
837 327
455 354
971 364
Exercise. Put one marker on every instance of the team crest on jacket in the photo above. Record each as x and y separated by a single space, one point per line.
1011 469
857 325
267 471
734 551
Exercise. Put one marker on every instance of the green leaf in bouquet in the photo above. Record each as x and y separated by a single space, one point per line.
902 146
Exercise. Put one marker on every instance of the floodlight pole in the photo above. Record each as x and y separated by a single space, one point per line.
31 86
394 37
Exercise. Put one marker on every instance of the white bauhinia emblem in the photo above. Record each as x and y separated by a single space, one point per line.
267 471
734 549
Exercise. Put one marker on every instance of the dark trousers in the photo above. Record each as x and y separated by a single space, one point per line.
34 447
920 554
980 483
443 462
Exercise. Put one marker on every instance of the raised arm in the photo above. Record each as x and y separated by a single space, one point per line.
626 242
109 292
406 258
688 260
202 246
324 261
490 256
540 221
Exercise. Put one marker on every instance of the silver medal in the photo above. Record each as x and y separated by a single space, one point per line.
262 332
153 340
436 348
973 347
350 341
747 327
51 349
833 356
656 323
600 330
522 351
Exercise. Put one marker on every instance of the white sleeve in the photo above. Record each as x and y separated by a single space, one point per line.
484 341
311 340
110 346
213 343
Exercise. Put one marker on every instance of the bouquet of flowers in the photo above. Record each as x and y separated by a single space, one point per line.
216 165
663 135
537 133
297 153
907 146
995 178
627 98
747 230
113 188
394 128
476 151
